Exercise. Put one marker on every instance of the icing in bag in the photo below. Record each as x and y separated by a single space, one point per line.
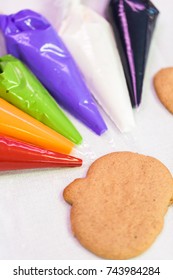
90 39
133 22
31 38
21 88
15 154
17 124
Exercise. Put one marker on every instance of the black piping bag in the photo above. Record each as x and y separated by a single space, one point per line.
133 23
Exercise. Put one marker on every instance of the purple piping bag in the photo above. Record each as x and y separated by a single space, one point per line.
31 38
134 22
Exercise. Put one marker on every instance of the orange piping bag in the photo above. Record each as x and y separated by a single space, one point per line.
16 154
17 124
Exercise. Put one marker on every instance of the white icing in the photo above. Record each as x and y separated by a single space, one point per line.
89 38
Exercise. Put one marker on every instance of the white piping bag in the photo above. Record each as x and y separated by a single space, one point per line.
89 38
98 6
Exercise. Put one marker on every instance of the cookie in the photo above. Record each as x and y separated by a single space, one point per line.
118 209
163 83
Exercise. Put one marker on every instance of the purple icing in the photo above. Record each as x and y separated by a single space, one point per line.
31 38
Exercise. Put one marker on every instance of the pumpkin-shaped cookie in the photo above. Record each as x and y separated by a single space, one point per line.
118 209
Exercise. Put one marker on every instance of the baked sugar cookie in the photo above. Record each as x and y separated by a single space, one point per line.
118 209
163 83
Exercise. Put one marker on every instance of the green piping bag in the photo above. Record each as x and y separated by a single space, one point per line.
22 89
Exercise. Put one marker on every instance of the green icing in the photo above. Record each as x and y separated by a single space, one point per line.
21 88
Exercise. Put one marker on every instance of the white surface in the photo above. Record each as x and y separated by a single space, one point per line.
34 219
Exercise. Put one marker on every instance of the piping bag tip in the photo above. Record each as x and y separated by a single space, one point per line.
91 117
77 162
75 136
137 107
102 131
69 160
85 152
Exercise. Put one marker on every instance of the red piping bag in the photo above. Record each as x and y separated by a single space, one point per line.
15 154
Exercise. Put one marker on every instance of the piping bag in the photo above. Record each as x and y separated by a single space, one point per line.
15 154
21 88
31 38
90 39
17 124
133 23
98 6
